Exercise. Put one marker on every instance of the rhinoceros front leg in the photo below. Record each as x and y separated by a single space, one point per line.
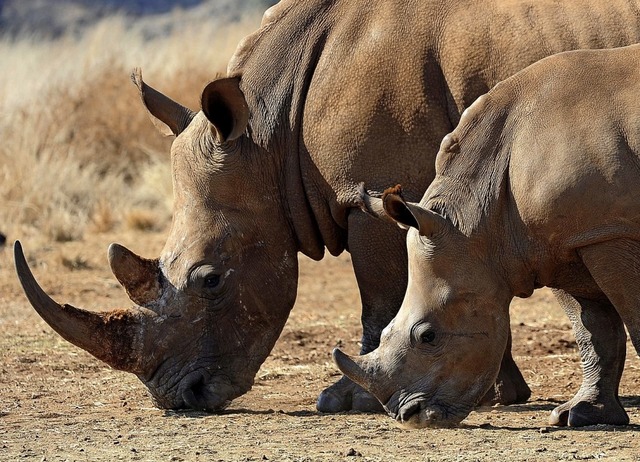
510 386
615 266
601 339
379 259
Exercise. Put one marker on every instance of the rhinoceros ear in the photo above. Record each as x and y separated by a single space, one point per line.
226 108
169 117
408 214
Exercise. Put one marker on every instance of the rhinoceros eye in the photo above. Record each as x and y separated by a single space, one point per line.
423 334
428 336
211 281
205 281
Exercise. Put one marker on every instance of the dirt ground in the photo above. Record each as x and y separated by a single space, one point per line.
59 403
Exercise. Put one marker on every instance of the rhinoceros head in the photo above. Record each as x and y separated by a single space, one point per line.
442 351
210 309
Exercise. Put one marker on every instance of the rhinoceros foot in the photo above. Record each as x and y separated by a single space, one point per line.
579 412
510 386
344 395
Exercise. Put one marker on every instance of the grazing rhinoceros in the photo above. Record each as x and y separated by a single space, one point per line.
539 185
325 96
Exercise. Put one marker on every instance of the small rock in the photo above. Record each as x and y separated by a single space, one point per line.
544 430
353 453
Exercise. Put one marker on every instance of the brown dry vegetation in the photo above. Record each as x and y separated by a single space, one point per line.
81 166
78 152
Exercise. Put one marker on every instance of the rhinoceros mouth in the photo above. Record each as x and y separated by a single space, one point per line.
422 412
198 390
199 394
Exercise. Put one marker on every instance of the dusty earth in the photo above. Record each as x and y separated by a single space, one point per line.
59 403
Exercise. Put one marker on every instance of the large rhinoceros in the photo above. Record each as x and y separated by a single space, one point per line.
539 185
325 96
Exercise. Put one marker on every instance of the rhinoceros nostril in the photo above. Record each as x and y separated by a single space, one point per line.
409 411
193 395
200 396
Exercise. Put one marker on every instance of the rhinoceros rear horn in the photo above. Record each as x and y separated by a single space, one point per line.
226 108
113 337
165 113
139 276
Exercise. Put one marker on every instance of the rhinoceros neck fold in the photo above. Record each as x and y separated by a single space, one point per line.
276 65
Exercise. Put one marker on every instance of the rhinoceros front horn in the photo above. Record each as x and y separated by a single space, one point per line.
139 276
352 368
114 337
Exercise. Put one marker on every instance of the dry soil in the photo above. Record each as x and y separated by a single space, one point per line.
59 403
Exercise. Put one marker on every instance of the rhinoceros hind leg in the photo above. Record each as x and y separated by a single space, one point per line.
510 386
614 266
601 340
344 395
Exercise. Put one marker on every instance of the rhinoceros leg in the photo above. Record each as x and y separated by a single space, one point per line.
615 266
510 386
378 253
601 339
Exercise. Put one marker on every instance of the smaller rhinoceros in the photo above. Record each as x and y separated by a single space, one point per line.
539 185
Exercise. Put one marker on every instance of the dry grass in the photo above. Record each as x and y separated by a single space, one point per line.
78 153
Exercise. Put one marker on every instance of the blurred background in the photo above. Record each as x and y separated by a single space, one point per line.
78 153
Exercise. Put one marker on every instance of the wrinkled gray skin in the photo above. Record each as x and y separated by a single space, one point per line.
325 96
539 185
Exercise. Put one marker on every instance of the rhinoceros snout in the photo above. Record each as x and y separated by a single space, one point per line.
199 395
420 413
420 416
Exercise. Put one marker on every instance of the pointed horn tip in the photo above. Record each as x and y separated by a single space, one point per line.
17 247
341 359
36 296
118 254
22 267
351 367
